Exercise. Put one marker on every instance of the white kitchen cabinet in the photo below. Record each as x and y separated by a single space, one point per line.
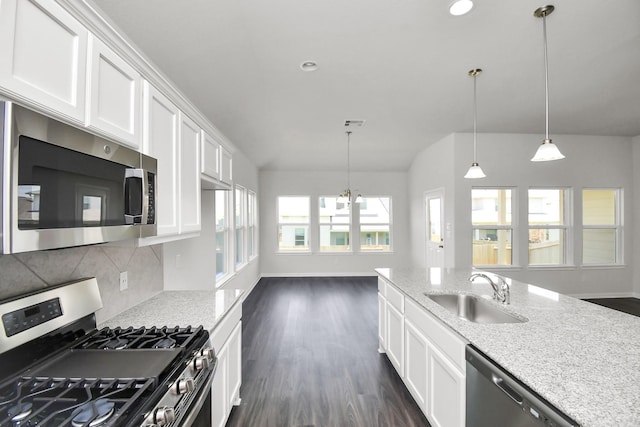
446 392
189 178
415 367
226 166
114 95
382 323
225 388
210 161
160 140
395 338
44 57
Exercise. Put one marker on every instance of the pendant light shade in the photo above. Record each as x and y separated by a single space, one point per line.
547 151
475 171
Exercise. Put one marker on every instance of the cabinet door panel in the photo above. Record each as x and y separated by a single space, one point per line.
446 393
161 142
235 365
226 166
44 56
219 404
416 363
189 175
210 157
382 324
114 95
395 338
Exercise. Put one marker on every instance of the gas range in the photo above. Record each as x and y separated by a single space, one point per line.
57 369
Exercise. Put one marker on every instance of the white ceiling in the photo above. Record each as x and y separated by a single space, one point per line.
399 64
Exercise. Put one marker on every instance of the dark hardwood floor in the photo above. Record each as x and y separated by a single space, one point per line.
626 305
310 358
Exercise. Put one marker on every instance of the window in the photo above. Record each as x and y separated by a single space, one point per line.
547 226
222 233
492 226
335 223
252 225
375 224
293 223
240 223
601 220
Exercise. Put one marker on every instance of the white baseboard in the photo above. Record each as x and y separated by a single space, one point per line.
350 274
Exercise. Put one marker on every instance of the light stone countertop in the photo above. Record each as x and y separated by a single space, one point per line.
179 308
583 358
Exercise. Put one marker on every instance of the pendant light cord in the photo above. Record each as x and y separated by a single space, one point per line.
475 119
546 75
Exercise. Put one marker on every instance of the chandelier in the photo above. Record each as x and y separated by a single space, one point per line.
346 196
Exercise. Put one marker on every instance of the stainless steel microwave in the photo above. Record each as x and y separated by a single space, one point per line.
62 186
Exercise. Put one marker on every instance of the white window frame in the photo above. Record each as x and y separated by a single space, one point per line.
240 226
566 227
390 224
252 224
618 226
508 227
288 224
349 228
228 247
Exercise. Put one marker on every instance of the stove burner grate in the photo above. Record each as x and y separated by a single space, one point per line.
20 411
141 338
96 413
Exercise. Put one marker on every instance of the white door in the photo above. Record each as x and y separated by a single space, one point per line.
434 214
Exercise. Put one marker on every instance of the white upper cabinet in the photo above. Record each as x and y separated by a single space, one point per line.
44 56
189 155
226 169
210 163
114 94
161 118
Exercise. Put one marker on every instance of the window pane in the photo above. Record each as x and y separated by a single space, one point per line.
239 208
546 246
490 206
239 245
293 210
435 225
221 209
332 212
221 269
599 246
492 247
546 207
375 238
334 237
375 210
599 207
250 244
293 238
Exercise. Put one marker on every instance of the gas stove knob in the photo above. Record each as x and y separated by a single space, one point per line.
209 353
200 363
164 415
184 385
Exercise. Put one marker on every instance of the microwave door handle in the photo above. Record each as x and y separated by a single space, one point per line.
134 177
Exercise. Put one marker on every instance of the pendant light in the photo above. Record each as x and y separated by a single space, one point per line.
475 171
547 150
345 196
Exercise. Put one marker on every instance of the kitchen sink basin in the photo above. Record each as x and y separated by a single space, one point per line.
473 308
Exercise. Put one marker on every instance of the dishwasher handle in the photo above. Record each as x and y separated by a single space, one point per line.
502 385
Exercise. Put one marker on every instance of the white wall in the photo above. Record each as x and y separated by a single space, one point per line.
316 184
191 263
432 169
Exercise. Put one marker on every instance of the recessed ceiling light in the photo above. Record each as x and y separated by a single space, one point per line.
460 7
309 66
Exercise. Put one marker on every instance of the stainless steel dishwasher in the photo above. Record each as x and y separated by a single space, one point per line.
495 398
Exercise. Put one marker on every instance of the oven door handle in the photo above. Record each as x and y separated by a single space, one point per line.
194 410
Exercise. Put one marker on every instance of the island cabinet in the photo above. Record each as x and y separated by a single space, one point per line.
225 388
44 57
427 355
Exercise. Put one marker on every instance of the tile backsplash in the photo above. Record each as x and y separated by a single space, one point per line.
31 271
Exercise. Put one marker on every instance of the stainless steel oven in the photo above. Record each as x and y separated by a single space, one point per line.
62 186
57 369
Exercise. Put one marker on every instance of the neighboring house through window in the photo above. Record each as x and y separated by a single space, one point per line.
602 226
293 223
492 226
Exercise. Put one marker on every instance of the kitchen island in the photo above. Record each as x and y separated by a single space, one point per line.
582 358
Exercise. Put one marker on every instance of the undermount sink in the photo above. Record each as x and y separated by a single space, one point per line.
473 308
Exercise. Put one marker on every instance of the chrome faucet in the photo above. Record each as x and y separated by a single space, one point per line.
501 291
